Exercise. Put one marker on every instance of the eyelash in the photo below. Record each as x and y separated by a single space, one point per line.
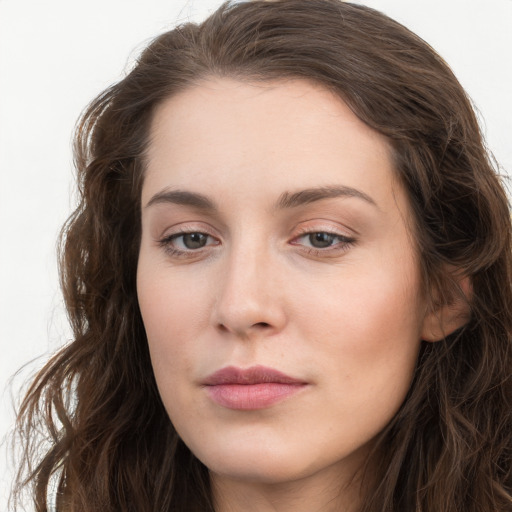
342 245
166 244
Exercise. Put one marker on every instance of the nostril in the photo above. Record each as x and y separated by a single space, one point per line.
244 329
262 325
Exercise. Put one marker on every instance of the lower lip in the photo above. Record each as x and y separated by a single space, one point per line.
248 397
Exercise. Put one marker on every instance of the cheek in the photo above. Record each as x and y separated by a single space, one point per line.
368 356
173 313
366 328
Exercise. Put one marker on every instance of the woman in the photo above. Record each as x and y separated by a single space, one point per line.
289 280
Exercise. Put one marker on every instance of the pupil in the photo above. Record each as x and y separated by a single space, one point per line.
194 240
320 240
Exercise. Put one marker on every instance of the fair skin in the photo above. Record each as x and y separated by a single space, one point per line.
239 270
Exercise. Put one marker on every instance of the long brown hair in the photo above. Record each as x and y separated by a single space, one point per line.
95 432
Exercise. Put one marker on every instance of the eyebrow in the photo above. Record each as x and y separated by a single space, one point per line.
287 200
310 195
184 198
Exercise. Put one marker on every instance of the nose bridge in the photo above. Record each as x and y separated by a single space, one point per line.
248 298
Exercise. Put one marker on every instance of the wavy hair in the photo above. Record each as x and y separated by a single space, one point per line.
95 433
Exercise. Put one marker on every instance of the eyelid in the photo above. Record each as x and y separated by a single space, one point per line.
176 236
324 226
188 227
346 240
165 241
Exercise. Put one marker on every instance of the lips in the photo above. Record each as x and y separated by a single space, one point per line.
253 388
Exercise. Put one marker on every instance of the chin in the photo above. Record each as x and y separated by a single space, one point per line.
261 461
275 461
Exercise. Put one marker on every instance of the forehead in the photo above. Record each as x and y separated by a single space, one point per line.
263 138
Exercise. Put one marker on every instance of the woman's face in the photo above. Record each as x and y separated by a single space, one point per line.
277 280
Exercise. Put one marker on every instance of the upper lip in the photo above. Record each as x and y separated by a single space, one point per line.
253 375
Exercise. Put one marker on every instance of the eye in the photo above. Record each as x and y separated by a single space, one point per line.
187 242
323 243
320 240
190 240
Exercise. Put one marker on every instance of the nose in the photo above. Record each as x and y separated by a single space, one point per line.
250 301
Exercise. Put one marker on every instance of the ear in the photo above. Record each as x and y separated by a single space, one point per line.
448 315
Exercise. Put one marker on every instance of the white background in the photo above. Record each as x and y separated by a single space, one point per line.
56 55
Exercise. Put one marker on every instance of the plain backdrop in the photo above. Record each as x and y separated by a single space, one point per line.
56 55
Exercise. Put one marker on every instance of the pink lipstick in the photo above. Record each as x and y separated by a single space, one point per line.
253 388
